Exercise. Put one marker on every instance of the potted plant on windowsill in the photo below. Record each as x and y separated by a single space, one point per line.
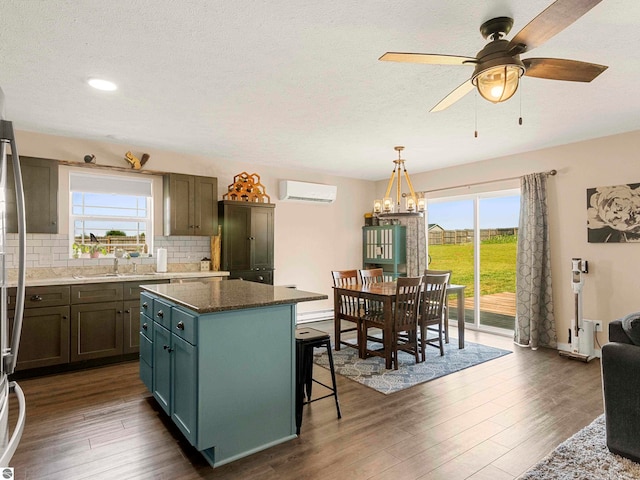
83 251
96 249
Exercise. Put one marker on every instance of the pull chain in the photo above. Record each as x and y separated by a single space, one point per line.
475 108
520 95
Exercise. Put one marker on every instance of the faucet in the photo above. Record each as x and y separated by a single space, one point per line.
115 265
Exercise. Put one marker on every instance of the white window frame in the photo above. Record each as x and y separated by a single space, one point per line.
105 179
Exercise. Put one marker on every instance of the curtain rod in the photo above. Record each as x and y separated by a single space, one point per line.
549 173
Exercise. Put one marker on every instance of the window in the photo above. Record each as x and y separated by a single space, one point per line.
109 213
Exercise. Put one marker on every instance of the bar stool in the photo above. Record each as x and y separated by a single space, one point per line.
306 340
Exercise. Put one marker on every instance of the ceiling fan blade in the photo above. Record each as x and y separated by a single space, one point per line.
454 96
557 16
562 69
428 58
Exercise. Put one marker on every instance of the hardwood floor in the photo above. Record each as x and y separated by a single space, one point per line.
492 421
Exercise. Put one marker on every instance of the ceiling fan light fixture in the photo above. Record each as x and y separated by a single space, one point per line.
498 84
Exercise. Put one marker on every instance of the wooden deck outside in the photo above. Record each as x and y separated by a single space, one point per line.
503 303
497 310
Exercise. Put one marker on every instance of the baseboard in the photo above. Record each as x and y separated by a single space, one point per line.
315 316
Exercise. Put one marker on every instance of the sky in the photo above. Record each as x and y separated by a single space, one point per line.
498 212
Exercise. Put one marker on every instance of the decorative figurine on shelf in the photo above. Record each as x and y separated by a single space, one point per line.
135 162
247 188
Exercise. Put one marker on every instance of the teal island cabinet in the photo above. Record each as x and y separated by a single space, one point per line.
219 358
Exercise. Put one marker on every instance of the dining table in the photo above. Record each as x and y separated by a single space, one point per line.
384 293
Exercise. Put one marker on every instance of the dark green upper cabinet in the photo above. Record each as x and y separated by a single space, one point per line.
191 205
40 179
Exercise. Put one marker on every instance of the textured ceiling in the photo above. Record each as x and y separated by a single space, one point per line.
298 83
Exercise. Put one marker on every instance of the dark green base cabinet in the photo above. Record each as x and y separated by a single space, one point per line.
229 398
69 327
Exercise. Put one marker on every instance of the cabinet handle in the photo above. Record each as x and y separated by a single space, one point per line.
167 348
260 278
127 311
180 326
145 326
252 238
36 298
160 314
197 226
144 305
64 317
119 312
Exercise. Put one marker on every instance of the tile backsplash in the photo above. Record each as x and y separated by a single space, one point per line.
52 251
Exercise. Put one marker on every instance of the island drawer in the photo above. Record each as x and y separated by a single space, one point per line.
162 313
183 324
146 325
146 350
35 297
146 304
146 360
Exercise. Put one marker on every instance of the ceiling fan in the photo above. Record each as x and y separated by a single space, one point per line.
498 66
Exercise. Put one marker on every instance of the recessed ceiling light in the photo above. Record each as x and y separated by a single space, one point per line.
102 84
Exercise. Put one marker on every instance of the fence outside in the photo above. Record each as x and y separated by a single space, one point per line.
456 237
111 242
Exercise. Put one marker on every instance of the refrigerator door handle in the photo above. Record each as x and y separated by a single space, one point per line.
17 433
12 358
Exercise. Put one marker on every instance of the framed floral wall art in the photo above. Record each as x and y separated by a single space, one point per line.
613 214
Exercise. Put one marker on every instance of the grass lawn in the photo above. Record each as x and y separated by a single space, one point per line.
497 264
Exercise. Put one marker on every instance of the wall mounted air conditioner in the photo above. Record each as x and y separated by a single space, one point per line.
307 192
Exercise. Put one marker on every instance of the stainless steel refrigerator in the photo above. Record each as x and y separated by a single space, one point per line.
10 337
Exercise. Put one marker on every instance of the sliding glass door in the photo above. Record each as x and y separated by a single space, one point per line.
475 236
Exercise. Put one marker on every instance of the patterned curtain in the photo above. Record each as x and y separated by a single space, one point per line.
535 322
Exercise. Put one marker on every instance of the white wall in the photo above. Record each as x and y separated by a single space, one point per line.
611 287
310 239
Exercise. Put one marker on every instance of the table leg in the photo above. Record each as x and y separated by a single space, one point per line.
388 333
460 295
362 334
446 318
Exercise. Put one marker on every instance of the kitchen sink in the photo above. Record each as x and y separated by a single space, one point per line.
114 275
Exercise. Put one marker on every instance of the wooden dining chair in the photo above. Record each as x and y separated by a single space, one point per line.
367 277
347 309
404 333
430 319
445 310
371 275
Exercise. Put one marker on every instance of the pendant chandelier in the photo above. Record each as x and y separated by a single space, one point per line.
413 206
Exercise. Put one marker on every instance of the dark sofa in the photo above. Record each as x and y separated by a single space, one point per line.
621 385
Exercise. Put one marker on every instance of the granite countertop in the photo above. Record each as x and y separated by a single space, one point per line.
206 297
125 277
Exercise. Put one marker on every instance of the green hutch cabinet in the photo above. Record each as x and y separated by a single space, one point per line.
385 247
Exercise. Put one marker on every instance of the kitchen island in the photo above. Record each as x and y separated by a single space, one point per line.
219 358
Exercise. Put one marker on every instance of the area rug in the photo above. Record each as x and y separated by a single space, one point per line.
371 371
584 456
